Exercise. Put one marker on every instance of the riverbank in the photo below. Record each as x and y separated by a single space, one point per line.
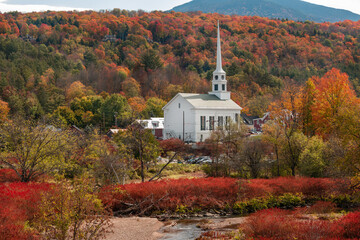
135 228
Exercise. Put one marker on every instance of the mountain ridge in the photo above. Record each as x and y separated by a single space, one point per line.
285 9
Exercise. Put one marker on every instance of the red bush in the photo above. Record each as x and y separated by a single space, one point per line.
19 202
168 195
321 207
207 193
282 224
350 225
8 175
309 187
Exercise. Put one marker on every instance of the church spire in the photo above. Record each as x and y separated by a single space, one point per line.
219 83
218 55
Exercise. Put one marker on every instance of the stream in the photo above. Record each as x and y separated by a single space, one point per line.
186 229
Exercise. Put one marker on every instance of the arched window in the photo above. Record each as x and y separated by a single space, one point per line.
216 77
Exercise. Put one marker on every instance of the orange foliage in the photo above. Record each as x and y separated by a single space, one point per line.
332 93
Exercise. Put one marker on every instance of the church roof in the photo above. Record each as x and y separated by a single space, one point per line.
208 101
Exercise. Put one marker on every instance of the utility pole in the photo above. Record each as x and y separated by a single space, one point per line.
115 116
184 126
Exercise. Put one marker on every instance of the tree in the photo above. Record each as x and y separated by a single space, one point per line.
312 162
4 111
141 144
292 149
114 107
174 146
151 61
273 134
252 155
154 108
112 162
32 150
332 93
286 112
72 212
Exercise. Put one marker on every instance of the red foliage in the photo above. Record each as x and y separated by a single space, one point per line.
8 175
19 202
350 225
309 187
321 207
282 224
207 193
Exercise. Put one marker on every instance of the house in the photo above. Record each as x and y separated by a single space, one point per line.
113 131
192 117
255 123
155 124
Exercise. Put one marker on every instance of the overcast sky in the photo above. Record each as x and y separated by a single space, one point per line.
148 5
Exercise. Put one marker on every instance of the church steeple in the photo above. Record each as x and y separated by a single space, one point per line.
219 83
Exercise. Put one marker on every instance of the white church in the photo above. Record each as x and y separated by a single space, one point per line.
192 117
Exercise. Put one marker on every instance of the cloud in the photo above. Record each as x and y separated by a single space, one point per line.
5 7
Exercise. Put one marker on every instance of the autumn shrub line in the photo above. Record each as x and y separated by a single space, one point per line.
284 224
231 195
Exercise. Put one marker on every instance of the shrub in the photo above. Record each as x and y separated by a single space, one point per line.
281 224
205 193
220 193
350 225
8 175
321 207
19 203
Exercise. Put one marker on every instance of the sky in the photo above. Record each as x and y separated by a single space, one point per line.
147 5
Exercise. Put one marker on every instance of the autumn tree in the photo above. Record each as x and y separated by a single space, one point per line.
72 211
4 111
32 150
332 94
141 144
252 155
286 112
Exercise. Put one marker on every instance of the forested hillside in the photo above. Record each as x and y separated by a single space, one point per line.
290 9
86 68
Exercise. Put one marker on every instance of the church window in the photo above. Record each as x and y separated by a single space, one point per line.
236 117
222 77
203 123
211 120
216 87
220 121
227 122
223 87
216 77
179 105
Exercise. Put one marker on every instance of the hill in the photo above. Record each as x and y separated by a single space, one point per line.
67 63
283 9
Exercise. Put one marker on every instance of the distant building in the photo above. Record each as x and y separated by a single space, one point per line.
113 131
192 117
110 38
156 125
255 123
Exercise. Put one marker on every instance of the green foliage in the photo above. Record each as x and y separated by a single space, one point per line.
312 161
286 201
32 150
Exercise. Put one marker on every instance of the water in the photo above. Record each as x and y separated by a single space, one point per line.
187 229
183 230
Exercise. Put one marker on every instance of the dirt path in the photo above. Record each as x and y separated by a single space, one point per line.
135 228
